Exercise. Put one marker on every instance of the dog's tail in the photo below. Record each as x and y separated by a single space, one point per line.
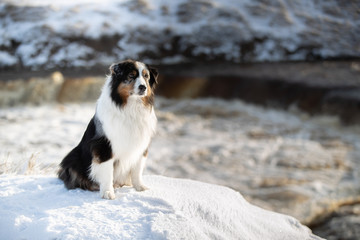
72 178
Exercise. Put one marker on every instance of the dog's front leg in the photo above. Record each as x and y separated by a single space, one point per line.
102 173
136 175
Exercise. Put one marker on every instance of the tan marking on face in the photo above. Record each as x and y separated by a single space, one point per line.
149 97
125 90
146 75
148 101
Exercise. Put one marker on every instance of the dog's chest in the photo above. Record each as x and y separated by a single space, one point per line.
129 130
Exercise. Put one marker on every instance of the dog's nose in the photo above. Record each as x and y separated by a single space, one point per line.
142 88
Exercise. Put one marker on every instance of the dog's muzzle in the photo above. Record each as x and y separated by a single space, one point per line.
142 89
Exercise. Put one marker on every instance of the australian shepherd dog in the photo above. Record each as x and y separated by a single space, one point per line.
114 147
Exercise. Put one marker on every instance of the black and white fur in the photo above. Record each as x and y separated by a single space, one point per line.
114 147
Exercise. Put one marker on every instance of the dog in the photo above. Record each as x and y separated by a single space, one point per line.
114 147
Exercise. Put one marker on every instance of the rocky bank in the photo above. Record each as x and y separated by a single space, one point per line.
91 34
318 88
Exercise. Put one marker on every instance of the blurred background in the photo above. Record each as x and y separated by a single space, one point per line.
262 96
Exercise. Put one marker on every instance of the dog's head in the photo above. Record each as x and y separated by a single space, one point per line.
132 79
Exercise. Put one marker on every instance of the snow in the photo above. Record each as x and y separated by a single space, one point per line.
262 153
43 27
6 59
39 207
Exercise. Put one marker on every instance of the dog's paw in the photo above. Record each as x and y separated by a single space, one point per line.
108 195
141 188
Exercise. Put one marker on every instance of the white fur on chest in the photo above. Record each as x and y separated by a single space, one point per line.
128 128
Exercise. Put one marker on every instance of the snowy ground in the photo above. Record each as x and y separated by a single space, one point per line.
283 161
40 207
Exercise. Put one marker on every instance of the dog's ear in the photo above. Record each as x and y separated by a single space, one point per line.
153 76
116 69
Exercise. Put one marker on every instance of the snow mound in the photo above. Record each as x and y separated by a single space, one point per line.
39 207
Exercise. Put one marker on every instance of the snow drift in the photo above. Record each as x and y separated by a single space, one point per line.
39 207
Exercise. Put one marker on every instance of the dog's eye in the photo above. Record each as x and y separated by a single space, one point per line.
146 76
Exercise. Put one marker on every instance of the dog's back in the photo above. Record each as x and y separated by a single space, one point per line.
74 168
